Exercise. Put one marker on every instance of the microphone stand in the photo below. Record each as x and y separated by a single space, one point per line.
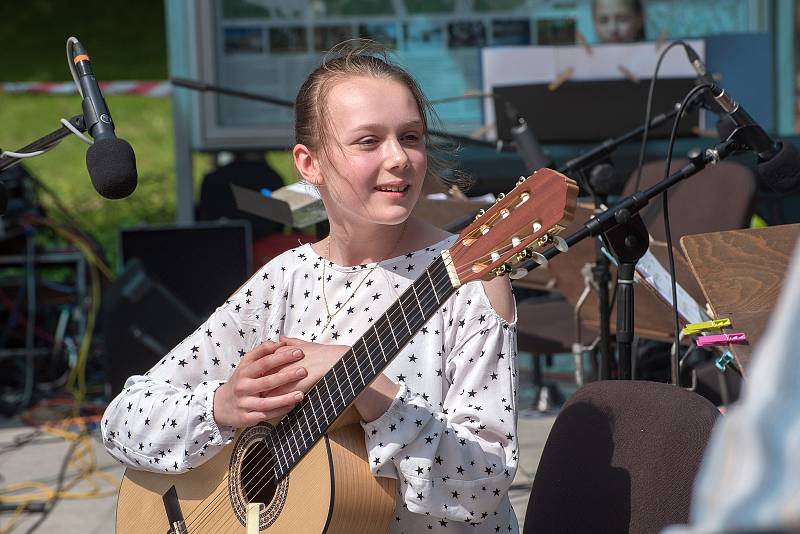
44 143
600 272
627 236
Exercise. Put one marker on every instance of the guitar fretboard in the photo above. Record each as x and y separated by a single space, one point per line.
383 340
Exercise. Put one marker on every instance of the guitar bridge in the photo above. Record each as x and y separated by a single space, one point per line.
174 514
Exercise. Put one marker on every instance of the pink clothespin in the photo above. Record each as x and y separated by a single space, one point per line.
721 339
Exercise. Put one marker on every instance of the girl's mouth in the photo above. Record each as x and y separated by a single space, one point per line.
393 189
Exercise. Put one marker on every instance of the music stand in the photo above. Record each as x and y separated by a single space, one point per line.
741 273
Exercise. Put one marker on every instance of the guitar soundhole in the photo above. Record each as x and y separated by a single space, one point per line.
256 474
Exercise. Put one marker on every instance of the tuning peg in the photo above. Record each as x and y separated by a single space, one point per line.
521 180
500 197
527 253
480 214
538 258
503 269
560 243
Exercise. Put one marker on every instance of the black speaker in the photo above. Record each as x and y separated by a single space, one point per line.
143 321
201 264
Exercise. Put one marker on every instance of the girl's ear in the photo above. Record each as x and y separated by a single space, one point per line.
307 164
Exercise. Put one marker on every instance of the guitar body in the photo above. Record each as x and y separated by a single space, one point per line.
331 489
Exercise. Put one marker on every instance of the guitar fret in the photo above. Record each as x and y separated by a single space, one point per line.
433 286
324 411
358 367
338 385
297 445
383 352
391 328
313 411
400 305
419 303
307 427
366 348
343 365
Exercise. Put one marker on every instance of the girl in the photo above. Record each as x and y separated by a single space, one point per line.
441 419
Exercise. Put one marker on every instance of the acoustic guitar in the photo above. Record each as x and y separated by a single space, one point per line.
309 471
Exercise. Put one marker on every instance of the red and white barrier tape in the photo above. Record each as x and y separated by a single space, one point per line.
142 88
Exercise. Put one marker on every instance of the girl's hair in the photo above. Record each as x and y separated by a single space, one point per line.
358 57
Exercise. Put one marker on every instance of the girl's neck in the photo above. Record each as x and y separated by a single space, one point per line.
348 246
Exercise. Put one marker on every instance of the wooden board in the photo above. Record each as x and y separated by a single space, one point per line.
741 273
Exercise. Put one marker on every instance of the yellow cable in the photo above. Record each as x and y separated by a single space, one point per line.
82 459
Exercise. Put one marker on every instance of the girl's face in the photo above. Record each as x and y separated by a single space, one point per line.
615 21
373 166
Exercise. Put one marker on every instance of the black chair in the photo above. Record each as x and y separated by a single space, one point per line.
621 457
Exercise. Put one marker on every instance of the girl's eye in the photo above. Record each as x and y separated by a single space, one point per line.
368 141
412 137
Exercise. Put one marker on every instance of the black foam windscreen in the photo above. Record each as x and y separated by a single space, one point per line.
603 180
112 167
782 171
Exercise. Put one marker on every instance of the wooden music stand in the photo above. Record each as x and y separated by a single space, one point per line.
741 273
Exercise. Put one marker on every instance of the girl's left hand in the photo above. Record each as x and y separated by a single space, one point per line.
317 360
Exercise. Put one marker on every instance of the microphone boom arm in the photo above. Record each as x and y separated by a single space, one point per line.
44 143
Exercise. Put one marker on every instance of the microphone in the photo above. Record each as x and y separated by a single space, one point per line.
110 160
526 143
753 136
602 179
779 162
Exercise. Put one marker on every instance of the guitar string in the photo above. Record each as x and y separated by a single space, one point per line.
267 471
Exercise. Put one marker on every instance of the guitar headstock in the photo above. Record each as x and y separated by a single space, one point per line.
525 219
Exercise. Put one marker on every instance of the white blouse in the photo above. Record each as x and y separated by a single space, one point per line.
449 436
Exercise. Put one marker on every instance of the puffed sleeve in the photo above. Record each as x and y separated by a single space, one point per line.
456 462
164 420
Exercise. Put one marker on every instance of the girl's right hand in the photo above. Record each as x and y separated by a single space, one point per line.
244 400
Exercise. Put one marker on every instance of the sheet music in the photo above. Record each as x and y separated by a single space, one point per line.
654 274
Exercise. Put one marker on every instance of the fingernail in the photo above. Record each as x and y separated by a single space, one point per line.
297 353
298 396
300 372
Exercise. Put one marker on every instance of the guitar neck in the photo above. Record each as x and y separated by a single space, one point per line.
383 340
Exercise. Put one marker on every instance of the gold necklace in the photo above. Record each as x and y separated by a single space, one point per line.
364 279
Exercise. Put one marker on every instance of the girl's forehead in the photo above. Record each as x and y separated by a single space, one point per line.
353 99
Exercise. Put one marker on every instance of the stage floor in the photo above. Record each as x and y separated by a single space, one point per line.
41 460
